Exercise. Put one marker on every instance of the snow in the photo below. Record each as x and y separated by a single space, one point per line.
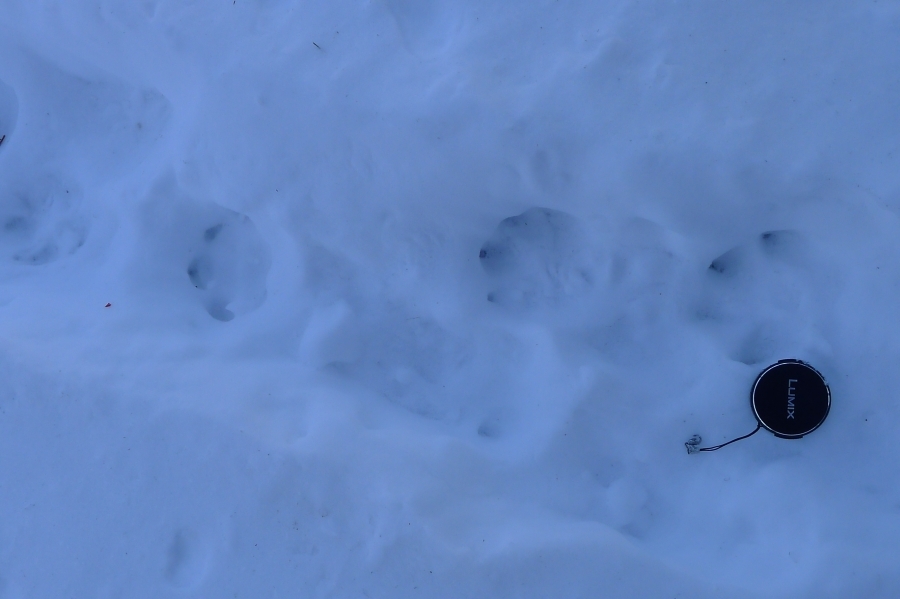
402 298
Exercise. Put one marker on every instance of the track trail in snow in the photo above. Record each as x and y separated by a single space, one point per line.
422 298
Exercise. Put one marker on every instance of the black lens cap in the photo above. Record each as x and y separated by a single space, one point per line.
791 399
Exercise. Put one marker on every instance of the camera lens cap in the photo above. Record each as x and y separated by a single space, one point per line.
790 399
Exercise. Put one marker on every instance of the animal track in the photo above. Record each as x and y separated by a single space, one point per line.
782 245
728 263
186 561
219 252
778 245
539 257
759 296
9 112
229 266
103 125
40 221
425 27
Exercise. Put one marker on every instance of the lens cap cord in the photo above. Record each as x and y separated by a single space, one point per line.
692 444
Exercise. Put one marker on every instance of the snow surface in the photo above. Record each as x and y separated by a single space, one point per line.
413 298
